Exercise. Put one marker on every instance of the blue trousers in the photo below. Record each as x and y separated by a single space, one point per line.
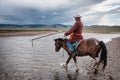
71 46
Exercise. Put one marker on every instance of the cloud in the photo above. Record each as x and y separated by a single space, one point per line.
101 13
58 11
36 4
105 20
105 6
54 13
110 19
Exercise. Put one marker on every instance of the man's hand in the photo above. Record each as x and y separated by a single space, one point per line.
65 35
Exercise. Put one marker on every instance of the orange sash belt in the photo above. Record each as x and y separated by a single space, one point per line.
72 35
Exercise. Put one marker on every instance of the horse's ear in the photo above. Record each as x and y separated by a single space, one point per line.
55 39
65 39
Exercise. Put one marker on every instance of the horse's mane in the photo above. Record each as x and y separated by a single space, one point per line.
63 39
60 39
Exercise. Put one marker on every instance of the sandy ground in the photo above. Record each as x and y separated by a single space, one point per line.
112 71
113 66
24 33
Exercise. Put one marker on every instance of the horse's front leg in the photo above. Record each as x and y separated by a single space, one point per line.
75 61
68 60
66 65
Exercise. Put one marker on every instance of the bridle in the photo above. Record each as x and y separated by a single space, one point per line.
63 49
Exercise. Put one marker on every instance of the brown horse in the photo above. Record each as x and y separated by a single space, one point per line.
90 47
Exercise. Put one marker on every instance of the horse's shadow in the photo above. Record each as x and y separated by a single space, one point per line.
69 75
72 76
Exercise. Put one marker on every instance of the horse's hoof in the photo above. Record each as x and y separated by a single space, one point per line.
77 70
103 70
65 66
96 71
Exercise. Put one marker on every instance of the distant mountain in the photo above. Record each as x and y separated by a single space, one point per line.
26 25
32 25
8 25
103 26
49 26
58 25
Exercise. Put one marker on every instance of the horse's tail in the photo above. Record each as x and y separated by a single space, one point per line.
103 56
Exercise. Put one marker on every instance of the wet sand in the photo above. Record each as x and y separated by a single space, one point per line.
112 71
113 67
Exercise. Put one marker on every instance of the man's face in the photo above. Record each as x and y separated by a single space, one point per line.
77 18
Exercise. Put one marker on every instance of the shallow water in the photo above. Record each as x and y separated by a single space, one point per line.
18 61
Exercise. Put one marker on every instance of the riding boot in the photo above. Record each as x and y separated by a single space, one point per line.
73 53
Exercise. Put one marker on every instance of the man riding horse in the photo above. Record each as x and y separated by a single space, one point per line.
75 34
85 47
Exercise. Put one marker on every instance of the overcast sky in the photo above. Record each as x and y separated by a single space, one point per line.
93 12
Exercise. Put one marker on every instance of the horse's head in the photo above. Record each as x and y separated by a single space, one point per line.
59 43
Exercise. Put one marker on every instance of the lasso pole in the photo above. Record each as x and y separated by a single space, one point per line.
39 38
47 35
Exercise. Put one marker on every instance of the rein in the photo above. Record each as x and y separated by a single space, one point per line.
62 54
62 48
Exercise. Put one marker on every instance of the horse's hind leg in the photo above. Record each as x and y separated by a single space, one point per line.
96 63
96 66
75 61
